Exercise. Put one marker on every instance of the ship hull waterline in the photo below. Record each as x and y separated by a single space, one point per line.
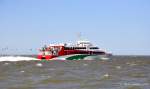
77 57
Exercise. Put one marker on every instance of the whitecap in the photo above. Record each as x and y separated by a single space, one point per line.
106 75
16 58
22 71
85 64
118 67
39 64
6 63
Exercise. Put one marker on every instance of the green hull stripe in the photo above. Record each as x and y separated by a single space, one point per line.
77 57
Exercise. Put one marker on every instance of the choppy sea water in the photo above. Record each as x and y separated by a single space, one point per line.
121 72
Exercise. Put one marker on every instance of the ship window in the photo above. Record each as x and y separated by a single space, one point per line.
94 48
72 48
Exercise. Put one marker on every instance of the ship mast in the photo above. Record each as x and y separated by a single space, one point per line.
79 36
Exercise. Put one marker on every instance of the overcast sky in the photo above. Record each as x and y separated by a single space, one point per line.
118 26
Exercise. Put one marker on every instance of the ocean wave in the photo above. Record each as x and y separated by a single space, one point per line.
16 58
21 58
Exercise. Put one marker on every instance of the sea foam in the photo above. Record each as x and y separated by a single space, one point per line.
16 58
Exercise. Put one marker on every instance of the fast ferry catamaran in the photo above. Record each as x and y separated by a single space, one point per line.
81 50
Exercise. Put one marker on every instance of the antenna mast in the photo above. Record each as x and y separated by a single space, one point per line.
79 36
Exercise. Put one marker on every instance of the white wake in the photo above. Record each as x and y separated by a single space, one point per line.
16 58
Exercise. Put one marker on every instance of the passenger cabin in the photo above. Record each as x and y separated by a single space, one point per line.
81 45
